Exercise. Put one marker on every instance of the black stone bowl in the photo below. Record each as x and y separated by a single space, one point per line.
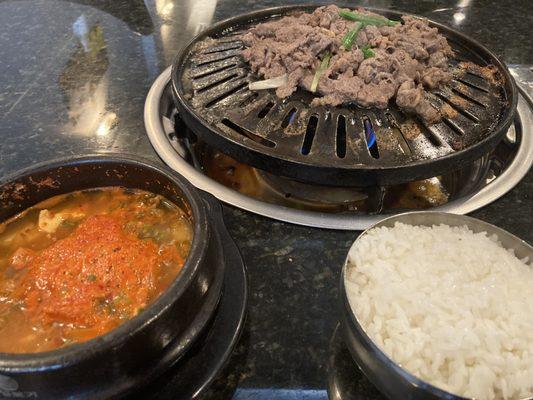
116 362
388 377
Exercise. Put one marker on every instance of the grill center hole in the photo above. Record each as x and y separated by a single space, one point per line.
218 97
341 136
264 111
289 118
218 82
370 137
309 135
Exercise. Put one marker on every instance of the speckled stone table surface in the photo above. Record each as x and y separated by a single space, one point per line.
73 80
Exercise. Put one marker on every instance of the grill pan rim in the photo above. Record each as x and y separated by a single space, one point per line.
371 174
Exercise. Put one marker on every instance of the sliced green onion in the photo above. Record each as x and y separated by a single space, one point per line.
348 39
367 52
323 66
367 19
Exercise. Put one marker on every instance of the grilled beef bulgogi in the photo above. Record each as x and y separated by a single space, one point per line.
383 60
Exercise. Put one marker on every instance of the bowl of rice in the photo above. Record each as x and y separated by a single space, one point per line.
440 306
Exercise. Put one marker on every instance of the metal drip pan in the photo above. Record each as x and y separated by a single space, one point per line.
158 115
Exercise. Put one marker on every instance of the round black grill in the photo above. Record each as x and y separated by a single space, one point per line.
341 146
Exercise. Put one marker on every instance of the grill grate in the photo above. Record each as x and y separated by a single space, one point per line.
347 146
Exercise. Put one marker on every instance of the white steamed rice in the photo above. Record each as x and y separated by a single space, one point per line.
451 306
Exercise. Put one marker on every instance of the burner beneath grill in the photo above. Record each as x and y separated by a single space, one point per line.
273 189
471 187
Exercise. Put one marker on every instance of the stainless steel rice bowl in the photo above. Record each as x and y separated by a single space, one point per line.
388 376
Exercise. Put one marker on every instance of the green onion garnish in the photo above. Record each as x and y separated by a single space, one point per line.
348 39
323 66
367 19
367 52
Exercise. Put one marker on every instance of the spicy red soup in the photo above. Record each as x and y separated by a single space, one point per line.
78 265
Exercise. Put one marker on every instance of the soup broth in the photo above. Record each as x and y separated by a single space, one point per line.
78 265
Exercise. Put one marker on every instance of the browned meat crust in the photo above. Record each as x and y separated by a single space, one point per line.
408 58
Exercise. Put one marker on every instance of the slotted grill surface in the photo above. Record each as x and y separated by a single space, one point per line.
347 146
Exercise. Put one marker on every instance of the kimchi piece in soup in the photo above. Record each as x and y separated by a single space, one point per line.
78 265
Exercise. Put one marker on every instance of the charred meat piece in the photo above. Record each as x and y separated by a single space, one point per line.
412 98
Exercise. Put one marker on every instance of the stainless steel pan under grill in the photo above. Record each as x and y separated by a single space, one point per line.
340 146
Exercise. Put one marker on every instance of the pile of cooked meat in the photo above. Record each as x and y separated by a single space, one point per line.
385 59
